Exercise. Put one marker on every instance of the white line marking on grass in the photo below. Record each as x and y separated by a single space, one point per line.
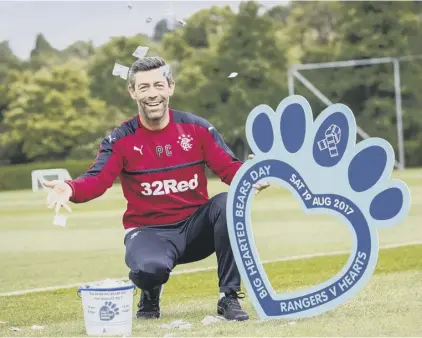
283 259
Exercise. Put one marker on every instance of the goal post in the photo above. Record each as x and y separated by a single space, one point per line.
294 73
41 175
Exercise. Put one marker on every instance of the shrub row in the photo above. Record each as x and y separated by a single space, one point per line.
17 177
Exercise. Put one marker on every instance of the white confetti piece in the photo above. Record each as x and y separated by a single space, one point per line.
234 74
121 71
3 322
37 327
15 329
129 5
166 70
148 20
211 319
59 220
177 324
182 22
292 323
184 326
140 52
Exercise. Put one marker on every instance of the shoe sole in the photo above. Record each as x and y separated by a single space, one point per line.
147 316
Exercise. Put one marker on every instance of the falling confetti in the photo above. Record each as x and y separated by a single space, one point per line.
129 5
166 70
3 322
37 327
59 220
140 52
182 22
149 20
234 74
177 324
15 329
121 71
212 319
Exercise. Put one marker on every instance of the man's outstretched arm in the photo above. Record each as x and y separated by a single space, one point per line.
100 176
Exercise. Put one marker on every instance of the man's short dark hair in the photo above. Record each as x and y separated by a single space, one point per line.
145 64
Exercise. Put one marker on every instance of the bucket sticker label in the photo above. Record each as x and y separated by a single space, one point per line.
108 311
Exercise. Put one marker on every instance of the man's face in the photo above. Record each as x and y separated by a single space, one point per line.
152 93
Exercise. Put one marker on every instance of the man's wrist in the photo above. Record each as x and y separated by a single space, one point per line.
69 183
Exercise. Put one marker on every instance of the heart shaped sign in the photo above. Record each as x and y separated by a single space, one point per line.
320 163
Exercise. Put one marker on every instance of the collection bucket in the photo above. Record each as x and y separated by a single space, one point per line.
108 311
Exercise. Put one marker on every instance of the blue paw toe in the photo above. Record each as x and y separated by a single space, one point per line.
293 127
331 140
366 168
262 132
386 204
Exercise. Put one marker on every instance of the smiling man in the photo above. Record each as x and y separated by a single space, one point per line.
160 155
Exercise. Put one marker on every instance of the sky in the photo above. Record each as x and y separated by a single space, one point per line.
64 22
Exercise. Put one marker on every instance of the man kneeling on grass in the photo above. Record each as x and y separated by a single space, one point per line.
160 156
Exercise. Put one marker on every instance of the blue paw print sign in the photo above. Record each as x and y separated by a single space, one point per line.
320 163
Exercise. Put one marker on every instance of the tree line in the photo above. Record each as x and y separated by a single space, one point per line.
58 104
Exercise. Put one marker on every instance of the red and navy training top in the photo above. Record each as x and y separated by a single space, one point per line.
162 172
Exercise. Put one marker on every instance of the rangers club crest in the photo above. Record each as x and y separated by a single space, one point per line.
185 142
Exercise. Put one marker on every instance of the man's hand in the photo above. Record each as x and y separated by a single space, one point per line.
59 195
259 185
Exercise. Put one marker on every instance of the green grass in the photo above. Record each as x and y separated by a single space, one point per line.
387 294
30 245
34 253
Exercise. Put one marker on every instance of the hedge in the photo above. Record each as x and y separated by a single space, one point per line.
17 177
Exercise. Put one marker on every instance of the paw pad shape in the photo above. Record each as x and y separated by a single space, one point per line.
108 311
326 156
321 164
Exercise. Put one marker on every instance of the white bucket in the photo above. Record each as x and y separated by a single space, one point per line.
108 311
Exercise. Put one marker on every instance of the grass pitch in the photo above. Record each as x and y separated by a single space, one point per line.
390 305
34 253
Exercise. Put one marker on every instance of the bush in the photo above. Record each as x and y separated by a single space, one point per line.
16 177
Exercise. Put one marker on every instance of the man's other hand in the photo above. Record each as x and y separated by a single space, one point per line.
59 195
259 185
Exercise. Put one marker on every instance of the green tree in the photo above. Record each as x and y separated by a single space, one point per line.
113 89
337 31
43 54
78 50
203 31
52 112
10 66
160 29
248 45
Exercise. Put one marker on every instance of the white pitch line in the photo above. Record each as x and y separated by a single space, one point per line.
283 259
